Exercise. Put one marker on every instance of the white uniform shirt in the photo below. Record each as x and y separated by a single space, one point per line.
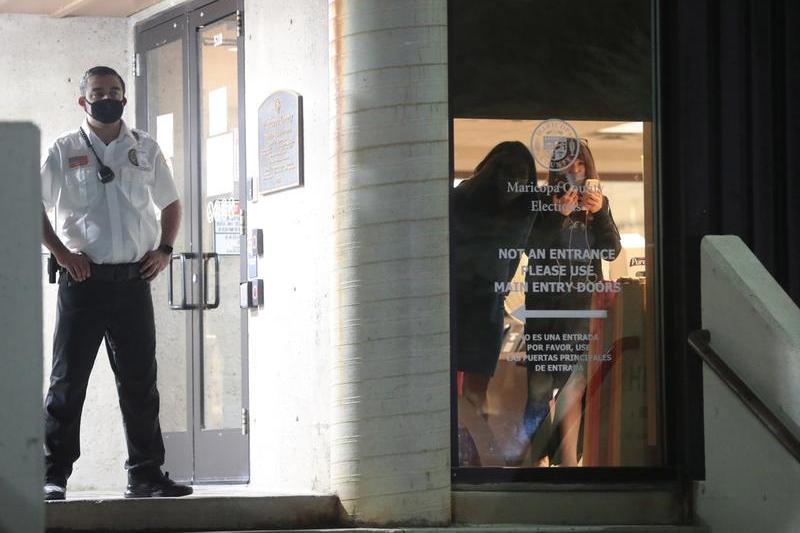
109 222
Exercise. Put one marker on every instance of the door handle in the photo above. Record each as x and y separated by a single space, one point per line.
170 294
206 258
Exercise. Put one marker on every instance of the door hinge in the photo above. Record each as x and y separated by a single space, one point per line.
238 23
245 421
137 65
243 221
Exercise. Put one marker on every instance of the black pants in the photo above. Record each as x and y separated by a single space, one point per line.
122 312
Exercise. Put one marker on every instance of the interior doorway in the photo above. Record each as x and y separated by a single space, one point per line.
189 87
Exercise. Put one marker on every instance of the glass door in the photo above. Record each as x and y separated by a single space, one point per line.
220 375
188 93
161 111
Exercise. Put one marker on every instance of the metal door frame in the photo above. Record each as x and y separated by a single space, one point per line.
179 445
190 455
224 448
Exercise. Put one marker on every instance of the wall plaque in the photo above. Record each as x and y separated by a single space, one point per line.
280 142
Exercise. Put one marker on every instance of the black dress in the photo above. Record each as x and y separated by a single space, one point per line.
482 226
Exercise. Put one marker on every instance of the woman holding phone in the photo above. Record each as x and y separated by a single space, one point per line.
572 237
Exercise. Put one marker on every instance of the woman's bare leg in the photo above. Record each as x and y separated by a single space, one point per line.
476 387
572 396
537 407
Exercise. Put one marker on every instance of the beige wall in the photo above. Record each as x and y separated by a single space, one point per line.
286 47
41 65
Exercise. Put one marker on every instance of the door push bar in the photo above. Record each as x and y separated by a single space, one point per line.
170 295
206 259
184 305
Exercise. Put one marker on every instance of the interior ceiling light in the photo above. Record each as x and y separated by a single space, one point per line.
632 240
624 128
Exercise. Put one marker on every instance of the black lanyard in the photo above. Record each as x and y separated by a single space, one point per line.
105 174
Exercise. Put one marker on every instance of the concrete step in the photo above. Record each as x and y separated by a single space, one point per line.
208 509
656 504
498 529
242 508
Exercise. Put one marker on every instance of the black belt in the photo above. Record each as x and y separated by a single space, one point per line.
117 272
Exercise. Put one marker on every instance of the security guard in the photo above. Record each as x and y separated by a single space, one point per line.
104 179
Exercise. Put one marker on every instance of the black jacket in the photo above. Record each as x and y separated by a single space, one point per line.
553 232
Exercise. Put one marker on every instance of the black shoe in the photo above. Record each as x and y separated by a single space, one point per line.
156 486
55 491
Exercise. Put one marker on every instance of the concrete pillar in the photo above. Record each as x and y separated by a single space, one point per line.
21 423
390 446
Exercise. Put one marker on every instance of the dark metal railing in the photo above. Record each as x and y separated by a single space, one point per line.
700 342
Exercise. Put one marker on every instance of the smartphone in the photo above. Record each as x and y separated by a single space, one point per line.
592 184
589 185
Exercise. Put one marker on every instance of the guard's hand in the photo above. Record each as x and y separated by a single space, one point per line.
153 262
76 264
593 201
567 203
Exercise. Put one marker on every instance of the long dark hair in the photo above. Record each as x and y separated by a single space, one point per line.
490 178
501 166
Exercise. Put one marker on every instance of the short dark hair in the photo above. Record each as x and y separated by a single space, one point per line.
100 71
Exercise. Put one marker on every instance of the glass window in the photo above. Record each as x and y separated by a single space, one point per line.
552 247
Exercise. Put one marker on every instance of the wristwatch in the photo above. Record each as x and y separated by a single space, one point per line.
165 248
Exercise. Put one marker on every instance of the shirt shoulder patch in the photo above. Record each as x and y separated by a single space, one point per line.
133 157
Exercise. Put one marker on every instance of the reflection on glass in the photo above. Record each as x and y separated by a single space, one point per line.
222 361
553 325
165 124
564 270
486 218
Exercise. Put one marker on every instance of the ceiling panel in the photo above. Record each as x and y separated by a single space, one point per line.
76 8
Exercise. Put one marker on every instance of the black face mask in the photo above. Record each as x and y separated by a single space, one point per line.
106 110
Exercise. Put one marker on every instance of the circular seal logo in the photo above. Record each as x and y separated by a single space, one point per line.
132 157
555 144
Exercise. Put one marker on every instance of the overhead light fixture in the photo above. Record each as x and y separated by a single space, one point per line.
624 128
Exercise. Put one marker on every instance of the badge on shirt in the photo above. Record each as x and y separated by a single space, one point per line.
78 161
133 157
